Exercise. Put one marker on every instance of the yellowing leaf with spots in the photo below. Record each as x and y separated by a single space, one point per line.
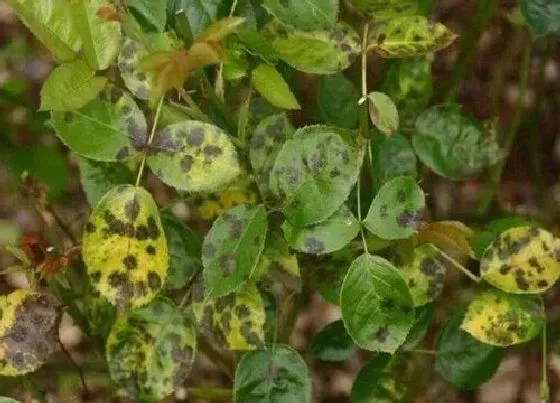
501 319
522 260
235 321
150 350
124 247
28 331
194 156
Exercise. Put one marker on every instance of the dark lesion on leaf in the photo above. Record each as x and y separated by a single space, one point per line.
132 208
410 219
382 334
313 245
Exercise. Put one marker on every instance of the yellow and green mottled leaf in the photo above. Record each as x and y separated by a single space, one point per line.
522 260
150 350
501 319
194 156
28 331
124 247
235 321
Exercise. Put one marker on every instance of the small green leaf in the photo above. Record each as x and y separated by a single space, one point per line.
328 236
98 178
383 113
124 247
275 375
306 15
461 359
272 86
337 101
257 44
422 322
377 308
314 173
453 144
232 248
396 211
150 350
382 10
522 260
333 343
155 12
70 86
501 319
542 16
381 380
109 128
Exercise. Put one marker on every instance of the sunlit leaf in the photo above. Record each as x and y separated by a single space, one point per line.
383 112
337 101
272 86
448 235
155 12
492 229
306 15
97 178
542 16
332 343
257 44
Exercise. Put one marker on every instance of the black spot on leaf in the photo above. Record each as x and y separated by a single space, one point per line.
154 280
382 334
186 163
132 208
314 245
209 250
150 250
130 262
195 137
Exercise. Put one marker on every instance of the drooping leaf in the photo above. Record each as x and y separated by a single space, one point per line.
386 9
232 248
396 211
275 375
542 16
124 247
377 307
392 156
422 322
193 156
501 319
453 144
314 173
150 350
70 86
409 36
272 86
383 112
337 101
97 178
307 15
332 234
448 235
28 331
154 12
333 343
522 260
461 359
109 128
101 37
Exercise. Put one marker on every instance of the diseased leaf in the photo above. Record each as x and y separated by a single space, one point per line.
377 307
387 9
542 16
522 260
109 128
231 249
70 86
124 247
314 173
193 156
306 15
98 178
383 113
275 375
150 350
448 235
327 273
501 319
383 379
332 343
396 211
155 12
392 157
330 235
422 322
337 101
494 228
99 313
272 86
29 324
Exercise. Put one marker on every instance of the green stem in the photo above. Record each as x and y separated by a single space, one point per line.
458 265
150 139
210 393
544 387
423 351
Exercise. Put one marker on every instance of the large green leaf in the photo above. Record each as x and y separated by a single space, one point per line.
232 248
452 143
333 343
150 350
97 178
383 379
392 156
377 308
542 16
337 101
306 15
461 359
314 173
272 86
155 12
276 375
124 247
109 128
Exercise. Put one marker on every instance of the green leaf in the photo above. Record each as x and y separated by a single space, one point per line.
28 331
317 52
387 9
97 178
314 173
70 86
392 156
501 319
155 12
377 308
327 273
542 16
409 36
124 247
337 101
52 23
307 15
150 350
522 260
200 13
453 144
422 322
109 128
194 156
272 86
383 113
232 248
257 44
396 211
276 375
462 360
99 313
327 236
333 343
